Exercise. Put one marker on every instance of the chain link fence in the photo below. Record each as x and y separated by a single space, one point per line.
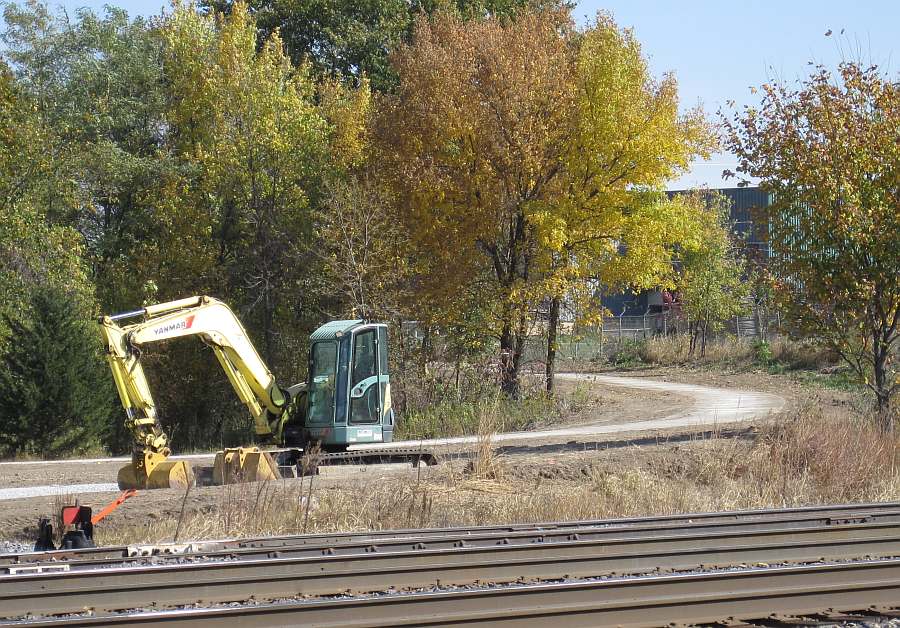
597 344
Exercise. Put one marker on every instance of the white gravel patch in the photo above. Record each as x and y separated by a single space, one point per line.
56 489
15 547
19 463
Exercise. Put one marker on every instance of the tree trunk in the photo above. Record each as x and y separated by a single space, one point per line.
509 378
519 352
424 350
705 332
882 386
268 326
512 346
398 393
552 325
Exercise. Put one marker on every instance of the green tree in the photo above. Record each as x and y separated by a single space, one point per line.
349 39
340 38
33 251
179 157
22 166
55 393
537 161
96 84
56 396
829 151
712 280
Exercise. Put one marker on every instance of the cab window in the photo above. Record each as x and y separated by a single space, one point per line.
382 350
364 402
322 382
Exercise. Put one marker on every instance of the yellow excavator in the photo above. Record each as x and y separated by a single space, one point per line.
345 400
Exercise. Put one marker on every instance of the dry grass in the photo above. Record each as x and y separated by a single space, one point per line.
674 350
485 463
59 526
453 418
838 460
799 458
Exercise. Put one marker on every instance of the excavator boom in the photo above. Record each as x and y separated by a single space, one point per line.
218 327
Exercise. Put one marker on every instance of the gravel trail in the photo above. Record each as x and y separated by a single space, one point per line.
55 489
711 407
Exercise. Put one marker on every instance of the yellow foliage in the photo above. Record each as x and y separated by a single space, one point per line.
348 112
529 155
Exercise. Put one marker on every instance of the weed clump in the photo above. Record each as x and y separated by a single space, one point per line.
836 460
777 355
465 418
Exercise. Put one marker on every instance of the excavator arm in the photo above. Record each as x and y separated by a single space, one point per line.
218 327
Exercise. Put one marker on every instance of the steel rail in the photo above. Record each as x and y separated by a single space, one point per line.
803 516
273 578
287 548
746 594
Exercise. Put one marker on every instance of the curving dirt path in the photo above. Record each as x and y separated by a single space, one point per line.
710 407
706 407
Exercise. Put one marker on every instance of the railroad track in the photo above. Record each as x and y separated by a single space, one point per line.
773 596
693 568
691 523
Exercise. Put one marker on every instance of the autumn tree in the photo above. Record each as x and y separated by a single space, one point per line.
357 241
232 217
526 152
245 120
829 151
33 251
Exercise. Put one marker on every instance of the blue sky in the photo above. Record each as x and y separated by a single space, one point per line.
718 48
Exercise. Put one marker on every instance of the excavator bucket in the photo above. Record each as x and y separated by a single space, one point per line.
244 464
154 471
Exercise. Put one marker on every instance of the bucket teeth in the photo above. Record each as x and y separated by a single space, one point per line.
244 464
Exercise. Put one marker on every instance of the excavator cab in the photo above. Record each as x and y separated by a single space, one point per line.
348 389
